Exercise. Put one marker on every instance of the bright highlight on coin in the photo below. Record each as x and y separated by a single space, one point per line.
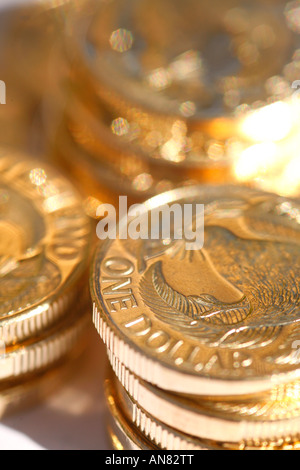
121 40
271 123
120 126
43 247
38 176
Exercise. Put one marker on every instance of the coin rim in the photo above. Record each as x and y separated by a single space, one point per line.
200 423
151 369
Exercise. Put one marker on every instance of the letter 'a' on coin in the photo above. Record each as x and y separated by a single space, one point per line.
221 320
44 246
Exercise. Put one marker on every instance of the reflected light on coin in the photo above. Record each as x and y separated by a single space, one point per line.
142 182
121 40
159 79
7 266
47 190
292 14
187 109
90 205
278 86
120 126
57 202
116 443
171 151
186 65
290 178
287 209
37 176
255 159
215 151
270 123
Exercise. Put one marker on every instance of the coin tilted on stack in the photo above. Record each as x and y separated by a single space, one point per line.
205 341
44 253
165 94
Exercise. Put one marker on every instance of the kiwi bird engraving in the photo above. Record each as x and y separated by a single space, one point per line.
187 291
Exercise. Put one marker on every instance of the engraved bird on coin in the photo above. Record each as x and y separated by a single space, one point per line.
240 289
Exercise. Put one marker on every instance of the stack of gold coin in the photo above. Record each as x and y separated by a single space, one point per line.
44 252
161 94
204 339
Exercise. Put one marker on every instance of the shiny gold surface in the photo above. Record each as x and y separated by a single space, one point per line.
137 98
165 62
39 353
217 321
272 416
138 182
215 99
123 435
168 438
44 246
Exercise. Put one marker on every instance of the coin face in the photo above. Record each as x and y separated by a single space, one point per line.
43 246
191 59
220 320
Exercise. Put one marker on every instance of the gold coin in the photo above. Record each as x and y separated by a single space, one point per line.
113 140
19 394
102 180
168 438
38 354
96 179
152 433
156 72
41 23
215 99
221 320
122 434
157 432
120 441
170 69
126 436
274 416
267 166
44 246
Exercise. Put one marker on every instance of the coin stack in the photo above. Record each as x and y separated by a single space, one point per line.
161 94
204 342
44 253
